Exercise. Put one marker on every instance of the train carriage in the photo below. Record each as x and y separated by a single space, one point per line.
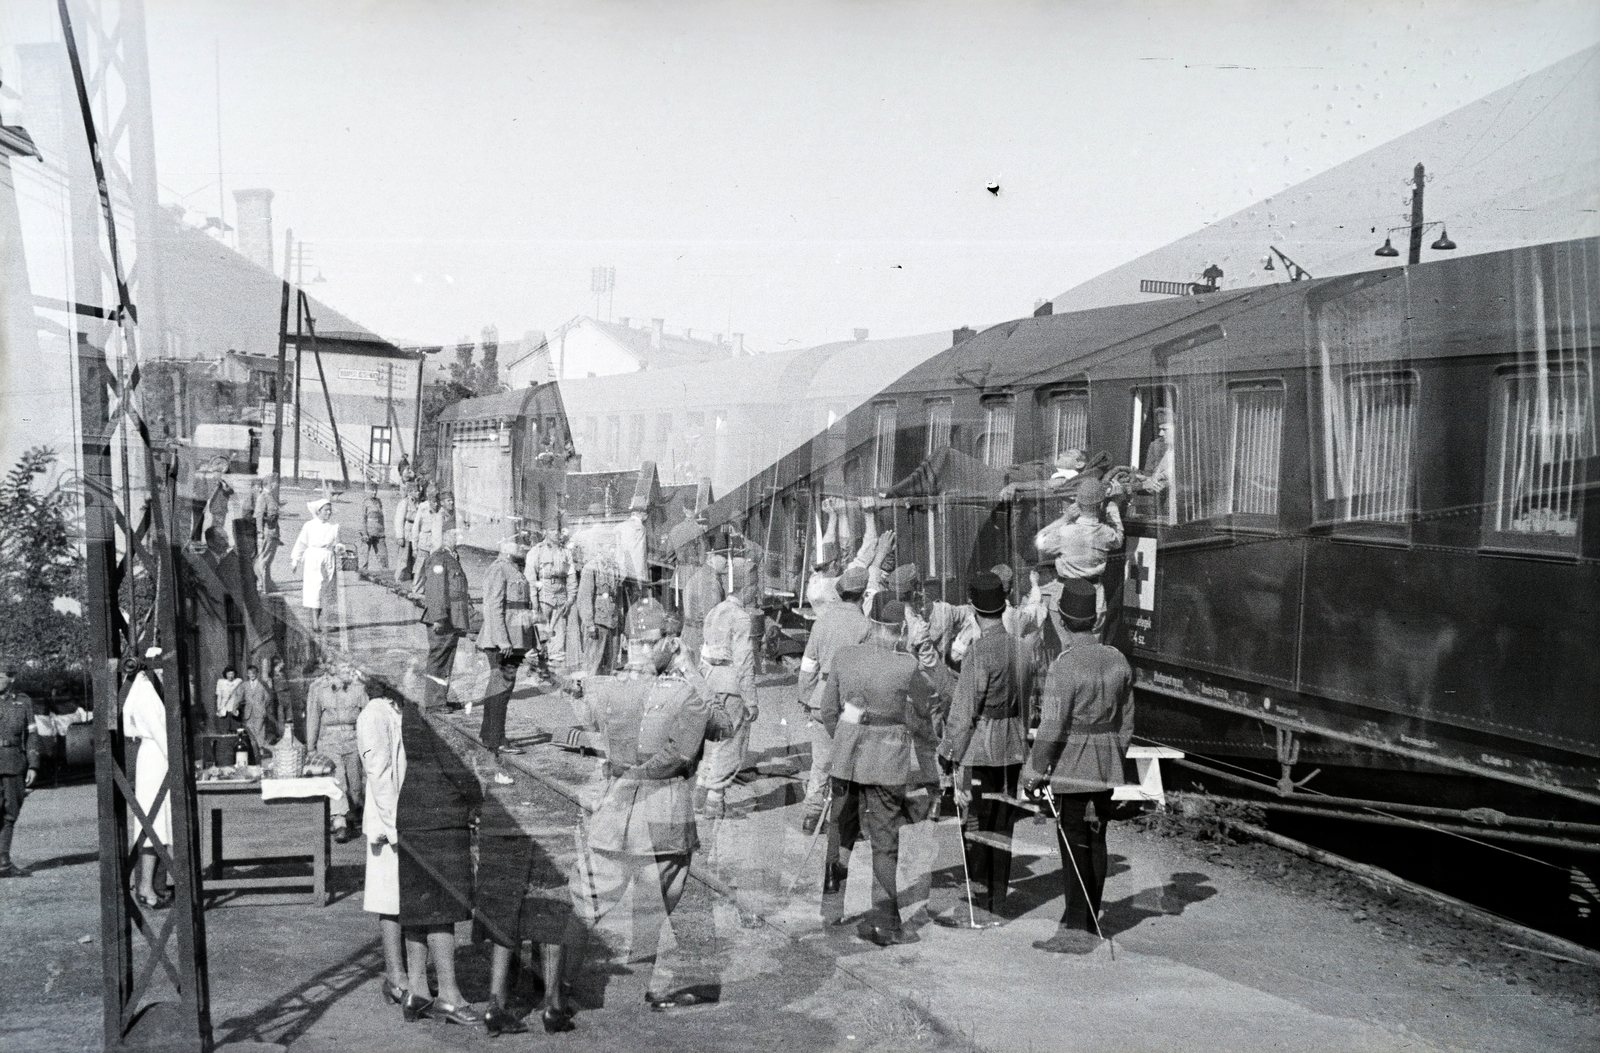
1372 543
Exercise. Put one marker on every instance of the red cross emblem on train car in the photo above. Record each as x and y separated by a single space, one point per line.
1139 588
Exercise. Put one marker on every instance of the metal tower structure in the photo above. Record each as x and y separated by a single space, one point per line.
134 565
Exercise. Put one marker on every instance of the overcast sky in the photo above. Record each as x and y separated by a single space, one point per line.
787 170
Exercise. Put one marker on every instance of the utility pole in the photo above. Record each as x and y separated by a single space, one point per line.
299 317
122 635
283 356
333 422
1417 177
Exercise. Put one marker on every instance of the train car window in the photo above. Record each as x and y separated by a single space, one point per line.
1543 433
1255 447
883 436
1153 451
1069 413
940 414
998 440
1369 441
663 430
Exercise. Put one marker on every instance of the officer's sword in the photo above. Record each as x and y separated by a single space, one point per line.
1072 858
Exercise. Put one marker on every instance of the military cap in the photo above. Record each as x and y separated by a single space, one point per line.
886 610
903 580
852 582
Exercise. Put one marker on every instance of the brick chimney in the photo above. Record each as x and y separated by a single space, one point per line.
964 333
657 327
738 345
623 321
861 334
1043 309
254 220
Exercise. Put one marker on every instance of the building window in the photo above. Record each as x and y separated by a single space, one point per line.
663 430
635 439
1369 435
883 435
940 413
1069 412
1544 431
1255 447
379 450
996 443
613 443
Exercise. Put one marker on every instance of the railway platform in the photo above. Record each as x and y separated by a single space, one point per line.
1218 945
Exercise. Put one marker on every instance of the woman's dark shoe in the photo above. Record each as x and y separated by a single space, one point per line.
833 879
509 750
557 1020
415 1007
341 834
160 902
501 1021
453 1014
393 993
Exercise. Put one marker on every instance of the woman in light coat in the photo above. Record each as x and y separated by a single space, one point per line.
144 718
383 759
317 548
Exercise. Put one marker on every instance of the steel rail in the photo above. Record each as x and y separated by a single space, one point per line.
1408 809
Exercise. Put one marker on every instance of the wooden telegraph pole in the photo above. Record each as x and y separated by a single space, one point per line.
283 359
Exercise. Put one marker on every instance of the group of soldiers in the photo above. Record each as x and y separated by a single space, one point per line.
895 713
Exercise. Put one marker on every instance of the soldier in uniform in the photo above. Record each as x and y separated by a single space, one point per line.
987 737
880 707
728 654
840 623
507 636
547 569
19 761
701 592
331 716
598 608
1084 732
642 833
447 611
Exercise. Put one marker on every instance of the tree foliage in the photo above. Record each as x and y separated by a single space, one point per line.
40 562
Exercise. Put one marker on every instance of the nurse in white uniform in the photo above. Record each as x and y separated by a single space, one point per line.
317 548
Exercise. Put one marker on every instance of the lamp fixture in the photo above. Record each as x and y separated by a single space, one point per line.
1388 249
1444 244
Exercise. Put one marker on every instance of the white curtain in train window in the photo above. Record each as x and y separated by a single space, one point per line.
940 414
1367 471
1255 447
883 436
999 432
1546 401
1071 412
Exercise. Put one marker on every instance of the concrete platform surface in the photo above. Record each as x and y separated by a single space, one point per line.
1217 945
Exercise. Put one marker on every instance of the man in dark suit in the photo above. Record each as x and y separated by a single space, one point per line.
881 708
987 736
447 611
1084 732
19 761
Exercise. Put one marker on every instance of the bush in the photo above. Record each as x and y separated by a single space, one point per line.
40 562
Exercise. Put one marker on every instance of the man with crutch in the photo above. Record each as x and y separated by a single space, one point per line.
1084 732
986 741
